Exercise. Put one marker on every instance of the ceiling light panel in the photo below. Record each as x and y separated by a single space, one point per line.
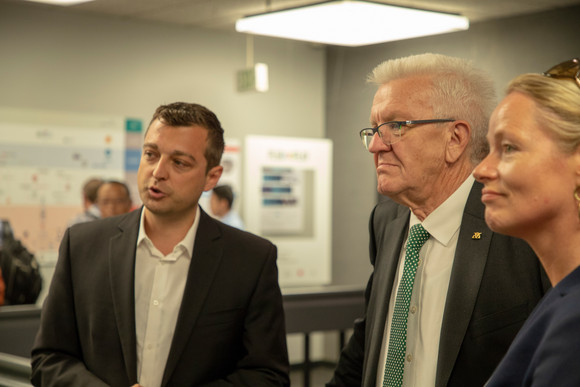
351 23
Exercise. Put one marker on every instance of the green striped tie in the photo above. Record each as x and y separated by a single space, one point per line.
398 340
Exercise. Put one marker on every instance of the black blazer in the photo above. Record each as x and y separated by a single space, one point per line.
230 329
495 283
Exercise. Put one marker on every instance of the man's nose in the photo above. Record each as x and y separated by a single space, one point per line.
160 170
377 144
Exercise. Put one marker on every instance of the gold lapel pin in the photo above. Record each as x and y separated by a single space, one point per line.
476 235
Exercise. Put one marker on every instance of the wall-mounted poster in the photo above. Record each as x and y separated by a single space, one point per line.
283 201
287 199
45 158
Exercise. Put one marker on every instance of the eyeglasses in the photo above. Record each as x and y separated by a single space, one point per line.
569 69
392 131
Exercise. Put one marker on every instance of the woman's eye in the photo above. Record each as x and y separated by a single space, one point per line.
508 148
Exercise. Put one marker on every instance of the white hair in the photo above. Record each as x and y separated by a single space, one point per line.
459 90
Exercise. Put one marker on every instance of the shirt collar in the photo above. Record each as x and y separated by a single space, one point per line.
186 243
445 220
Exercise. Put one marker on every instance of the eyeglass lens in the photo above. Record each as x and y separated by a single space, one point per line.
366 136
389 132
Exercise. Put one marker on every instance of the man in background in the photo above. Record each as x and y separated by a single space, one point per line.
91 210
442 309
221 201
113 198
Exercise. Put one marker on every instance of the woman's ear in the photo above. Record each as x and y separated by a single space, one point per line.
575 160
458 141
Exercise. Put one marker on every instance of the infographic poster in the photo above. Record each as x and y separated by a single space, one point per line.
287 199
45 157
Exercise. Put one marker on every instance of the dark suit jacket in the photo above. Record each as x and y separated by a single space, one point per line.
546 350
495 283
230 328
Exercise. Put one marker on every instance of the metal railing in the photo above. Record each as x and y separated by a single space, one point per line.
14 371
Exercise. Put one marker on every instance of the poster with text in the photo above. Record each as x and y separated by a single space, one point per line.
45 158
287 200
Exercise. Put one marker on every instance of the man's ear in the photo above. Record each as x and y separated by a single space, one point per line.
212 177
459 138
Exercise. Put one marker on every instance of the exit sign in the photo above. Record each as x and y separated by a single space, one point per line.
254 78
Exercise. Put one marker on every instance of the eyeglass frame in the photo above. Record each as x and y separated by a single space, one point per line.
565 67
398 136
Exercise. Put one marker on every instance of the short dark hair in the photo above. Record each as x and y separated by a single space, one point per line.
91 187
189 114
120 184
225 192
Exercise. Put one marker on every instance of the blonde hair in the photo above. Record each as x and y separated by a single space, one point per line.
558 102
458 90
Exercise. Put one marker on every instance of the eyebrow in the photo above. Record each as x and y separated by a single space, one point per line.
174 153
389 117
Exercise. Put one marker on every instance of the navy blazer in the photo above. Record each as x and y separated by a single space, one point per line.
546 350
495 283
230 329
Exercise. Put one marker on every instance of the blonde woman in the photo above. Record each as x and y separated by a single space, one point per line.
531 190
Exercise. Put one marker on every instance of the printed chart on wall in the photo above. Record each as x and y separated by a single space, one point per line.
45 157
287 199
286 202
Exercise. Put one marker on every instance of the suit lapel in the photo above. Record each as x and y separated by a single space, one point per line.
389 238
206 258
468 266
122 248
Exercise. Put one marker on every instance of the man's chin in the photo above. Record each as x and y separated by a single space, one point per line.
385 189
387 194
154 207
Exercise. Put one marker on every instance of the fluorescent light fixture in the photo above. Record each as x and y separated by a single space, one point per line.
61 2
351 23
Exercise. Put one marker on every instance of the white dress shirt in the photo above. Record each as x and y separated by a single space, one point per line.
159 285
429 291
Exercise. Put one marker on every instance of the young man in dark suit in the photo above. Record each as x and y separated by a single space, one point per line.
165 295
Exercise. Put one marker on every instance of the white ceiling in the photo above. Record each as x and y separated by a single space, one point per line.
222 14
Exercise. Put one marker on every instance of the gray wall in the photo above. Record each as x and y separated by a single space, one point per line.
54 59
505 48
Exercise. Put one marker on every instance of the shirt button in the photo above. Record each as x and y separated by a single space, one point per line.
409 358
155 302
413 309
